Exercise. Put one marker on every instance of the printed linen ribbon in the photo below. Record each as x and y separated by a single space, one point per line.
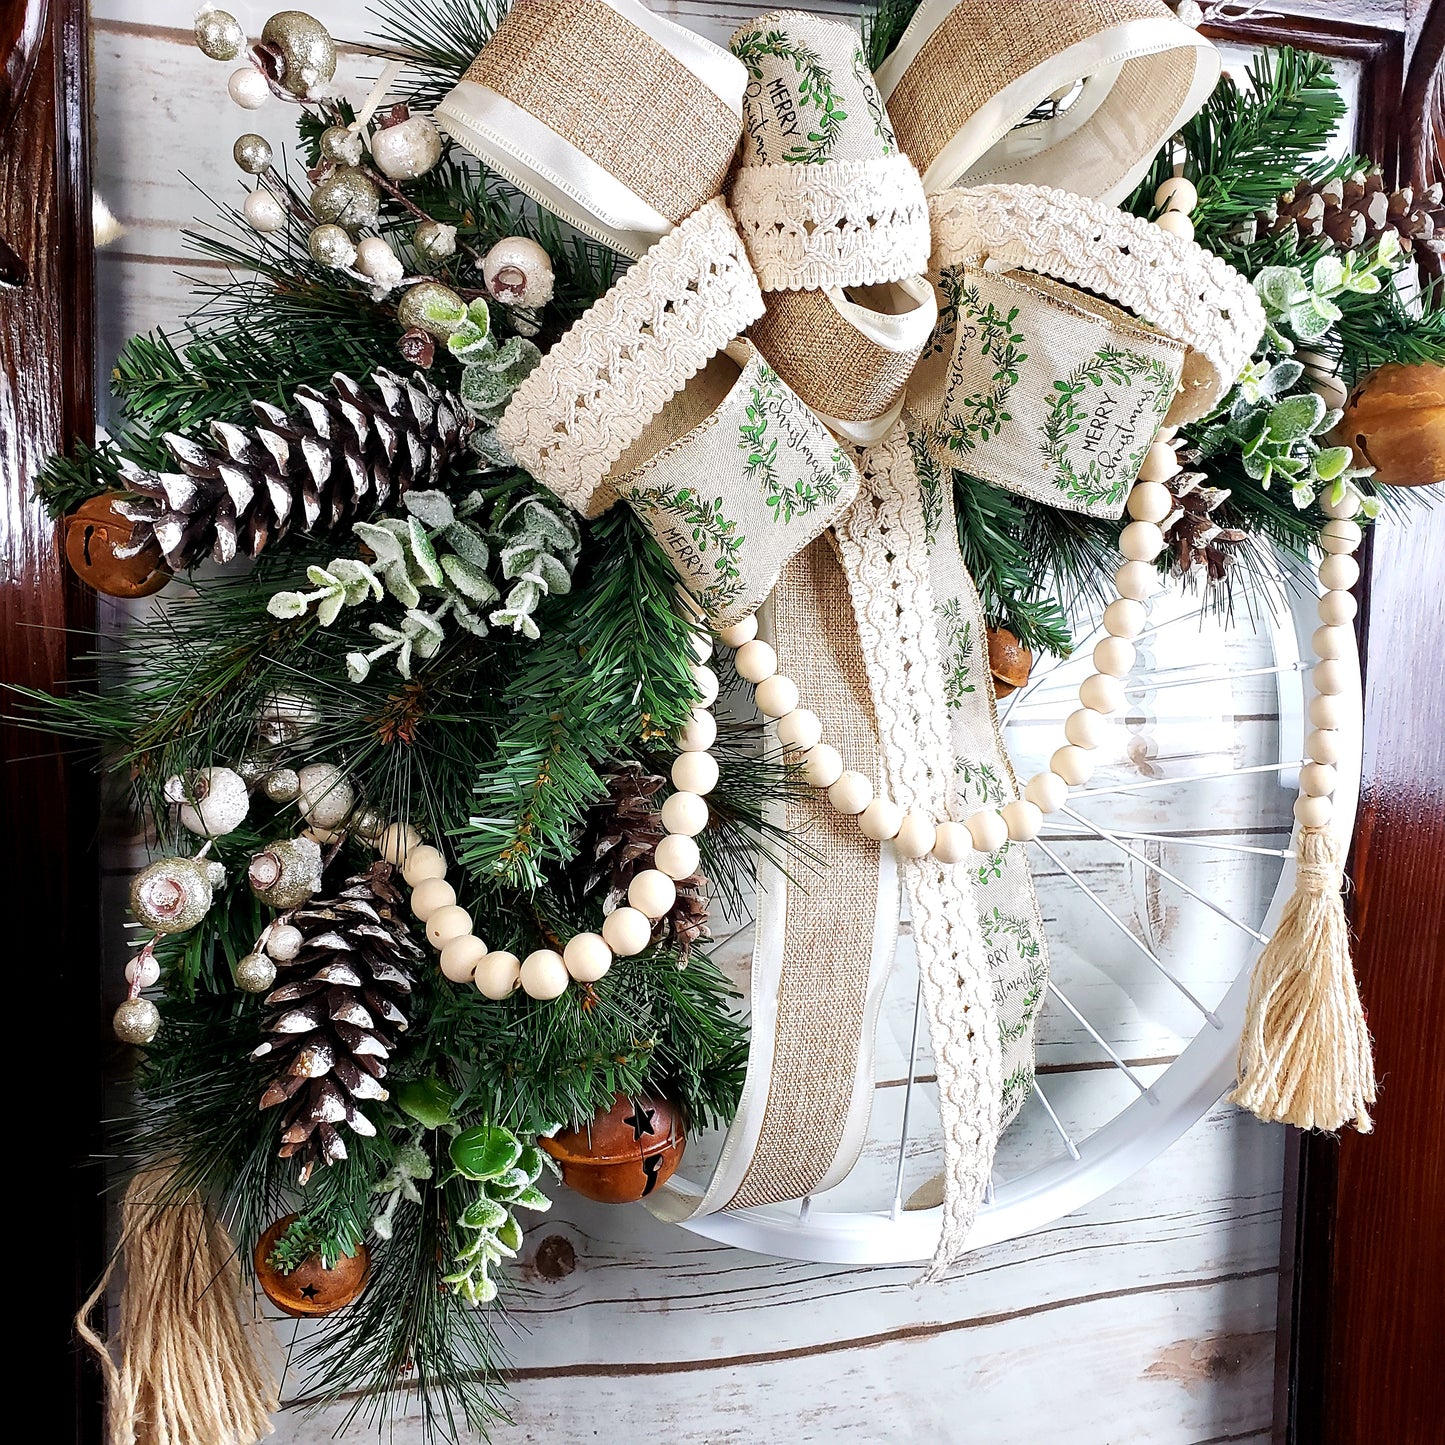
721 443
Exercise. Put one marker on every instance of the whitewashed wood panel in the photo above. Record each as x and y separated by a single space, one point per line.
1147 1317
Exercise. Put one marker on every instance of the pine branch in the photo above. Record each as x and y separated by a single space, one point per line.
440 40
883 27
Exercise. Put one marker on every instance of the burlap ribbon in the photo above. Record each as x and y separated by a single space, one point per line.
717 444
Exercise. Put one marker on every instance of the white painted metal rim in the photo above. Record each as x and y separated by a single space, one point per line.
1177 1100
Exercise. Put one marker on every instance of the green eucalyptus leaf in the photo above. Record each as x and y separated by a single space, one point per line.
470 581
429 1101
1328 275
509 1236
431 507
531 1162
286 605
382 540
423 554
532 1198
1295 417
484 1213
485 1151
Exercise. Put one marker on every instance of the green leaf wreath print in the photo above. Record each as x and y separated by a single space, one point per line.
713 534
815 88
1110 365
980 416
1005 930
804 494
956 634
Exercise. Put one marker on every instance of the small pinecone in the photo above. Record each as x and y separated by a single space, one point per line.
1351 214
335 1014
1196 538
340 456
619 840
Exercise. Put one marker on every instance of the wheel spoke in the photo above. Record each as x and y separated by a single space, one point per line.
1128 932
1099 1039
1163 872
907 1101
1176 841
1142 784
1054 1119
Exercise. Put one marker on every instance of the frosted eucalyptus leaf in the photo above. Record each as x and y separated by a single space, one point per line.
286 605
553 575
423 554
384 542
431 507
1295 417
469 543
471 581
358 666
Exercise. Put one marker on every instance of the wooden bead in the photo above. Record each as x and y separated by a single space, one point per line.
1330 677
497 974
1338 571
987 829
1141 541
1324 711
587 957
739 632
705 680
543 974
1176 223
1331 642
1150 501
652 892
685 813
851 793
1314 812
446 924
431 894
800 729
777 695
1337 608
1073 765
1160 463
627 931
916 835
1102 693
1347 506
822 765
422 863
755 660
677 855
1136 580
951 843
1176 194
1048 792
1114 656
881 820
1022 819
1125 618
396 842
1084 728
1341 536
694 772
1322 745
698 733
1317 780
460 957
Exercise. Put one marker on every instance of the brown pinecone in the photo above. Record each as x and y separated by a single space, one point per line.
342 454
619 840
1353 213
1196 538
335 1014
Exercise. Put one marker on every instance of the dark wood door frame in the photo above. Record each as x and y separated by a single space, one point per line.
47 802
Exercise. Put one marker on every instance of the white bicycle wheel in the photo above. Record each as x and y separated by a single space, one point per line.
1159 884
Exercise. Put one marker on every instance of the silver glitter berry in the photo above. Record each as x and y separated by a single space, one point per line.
282 785
137 1021
348 197
219 35
436 239
286 873
342 145
284 942
331 246
255 973
252 153
287 719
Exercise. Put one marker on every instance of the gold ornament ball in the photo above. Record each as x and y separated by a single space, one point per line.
348 198
219 35
137 1021
308 53
252 153
436 239
427 306
342 145
255 973
331 246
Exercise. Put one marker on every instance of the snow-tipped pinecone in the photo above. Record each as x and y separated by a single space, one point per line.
335 1014
1192 532
1352 214
619 840
337 458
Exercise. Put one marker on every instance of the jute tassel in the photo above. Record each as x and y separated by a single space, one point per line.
1305 1057
189 1371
